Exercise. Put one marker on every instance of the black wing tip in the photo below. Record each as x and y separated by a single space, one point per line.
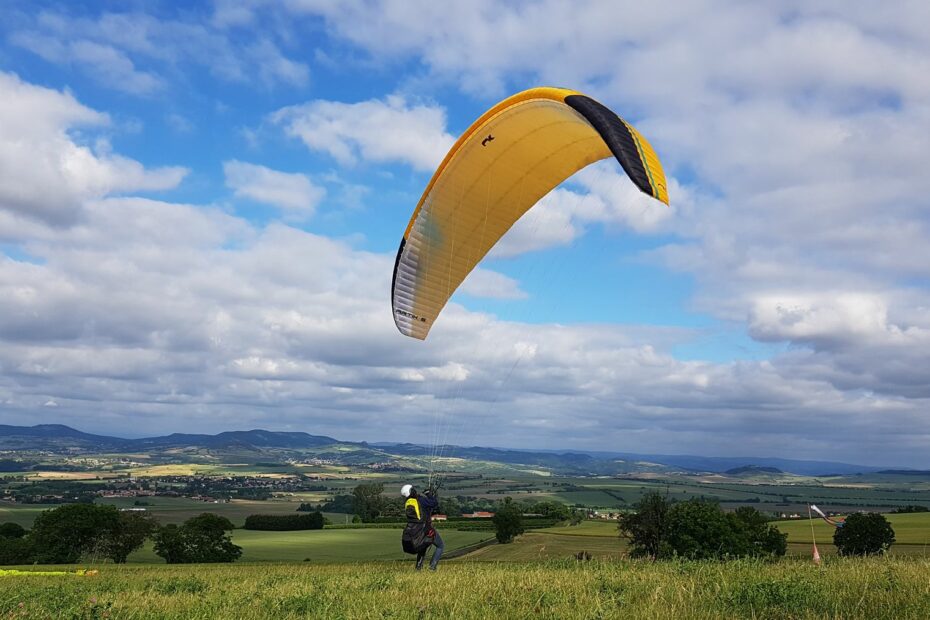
617 136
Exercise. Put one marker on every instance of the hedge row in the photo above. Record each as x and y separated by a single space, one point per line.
284 523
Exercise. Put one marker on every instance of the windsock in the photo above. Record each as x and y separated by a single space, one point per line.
826 518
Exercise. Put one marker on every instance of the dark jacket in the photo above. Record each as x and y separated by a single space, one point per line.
428 505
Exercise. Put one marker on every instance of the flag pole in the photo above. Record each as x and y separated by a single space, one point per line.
810 520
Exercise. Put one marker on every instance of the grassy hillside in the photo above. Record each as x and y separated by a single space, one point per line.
876 588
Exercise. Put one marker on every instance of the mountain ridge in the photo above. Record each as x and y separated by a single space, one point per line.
52 436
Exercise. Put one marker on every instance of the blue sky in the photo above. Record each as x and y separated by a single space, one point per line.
200 206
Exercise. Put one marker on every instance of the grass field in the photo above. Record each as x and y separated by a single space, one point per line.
362 545
585 528
178 509
874 588
169 509
22 514
912 535
535 546
909 529
601 540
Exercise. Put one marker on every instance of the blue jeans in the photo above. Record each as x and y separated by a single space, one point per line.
437 554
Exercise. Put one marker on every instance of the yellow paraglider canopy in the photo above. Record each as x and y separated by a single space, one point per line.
511 157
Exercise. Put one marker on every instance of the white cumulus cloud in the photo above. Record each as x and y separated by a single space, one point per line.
45 173
389 130
289 191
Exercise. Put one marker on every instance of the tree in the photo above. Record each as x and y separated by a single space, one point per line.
699 530
451 507
65 534
170 544
200 539
508 521
645 527
367 500
552 510
761 537
132 528
864 533
392 507
15 551
340 503
12 530
207 540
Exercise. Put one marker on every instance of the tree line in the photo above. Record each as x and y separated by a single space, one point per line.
285 523
69 533
698 529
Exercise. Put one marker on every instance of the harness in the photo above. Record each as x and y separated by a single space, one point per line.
418 534
413 503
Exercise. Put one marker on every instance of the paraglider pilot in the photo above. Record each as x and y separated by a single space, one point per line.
419 533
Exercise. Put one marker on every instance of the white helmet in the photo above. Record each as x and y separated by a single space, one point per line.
405 490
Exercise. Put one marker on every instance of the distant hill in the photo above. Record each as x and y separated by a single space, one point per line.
720 464
256 438
647 462
55 437
60 438
752 469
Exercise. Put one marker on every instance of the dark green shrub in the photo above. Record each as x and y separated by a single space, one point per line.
285 523
864 533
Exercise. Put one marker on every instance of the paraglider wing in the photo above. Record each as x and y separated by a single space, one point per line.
511 157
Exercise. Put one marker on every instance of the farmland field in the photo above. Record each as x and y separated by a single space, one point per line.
536 546
873 588
178 509
601 540
913 529
912 535
22 514
169 509
358 545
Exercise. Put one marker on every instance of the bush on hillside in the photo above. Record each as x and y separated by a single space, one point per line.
508 521
130 533
12 530
199 539
864 533
759 537
15 551
698 530
65 534
645 527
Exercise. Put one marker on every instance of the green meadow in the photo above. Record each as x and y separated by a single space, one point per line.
878 588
